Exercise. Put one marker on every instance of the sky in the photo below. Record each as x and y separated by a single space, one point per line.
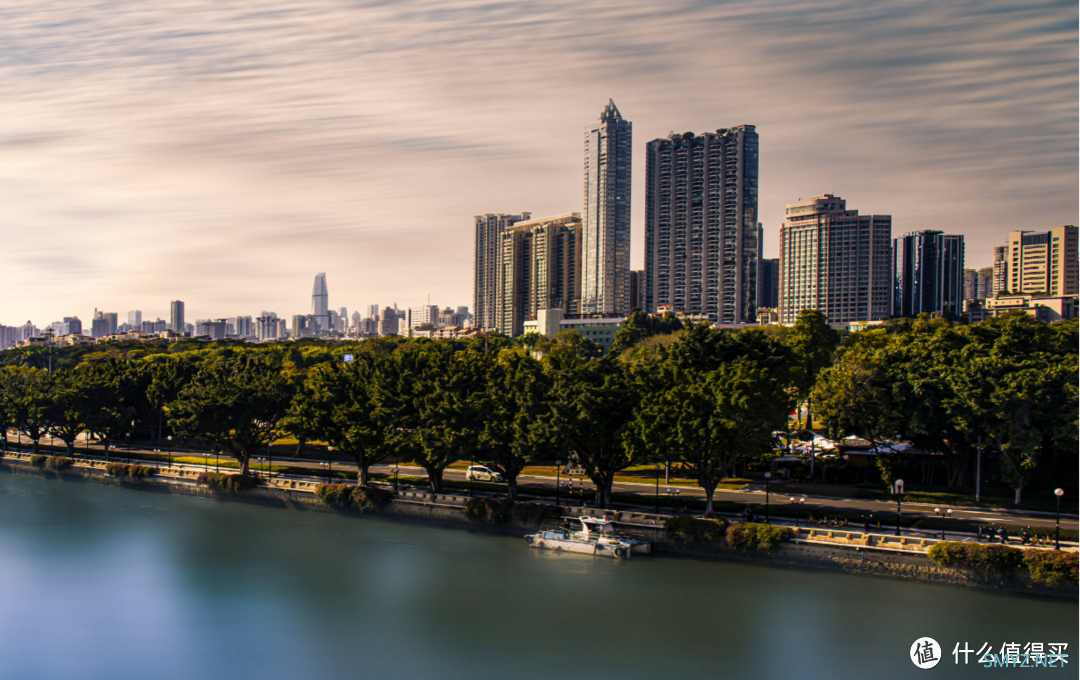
223 152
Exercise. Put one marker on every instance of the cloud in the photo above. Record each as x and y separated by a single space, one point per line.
224 152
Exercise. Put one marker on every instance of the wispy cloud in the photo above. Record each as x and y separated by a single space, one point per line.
223 152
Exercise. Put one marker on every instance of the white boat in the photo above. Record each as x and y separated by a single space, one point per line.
596 537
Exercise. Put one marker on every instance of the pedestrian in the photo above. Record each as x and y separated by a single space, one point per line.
1003 534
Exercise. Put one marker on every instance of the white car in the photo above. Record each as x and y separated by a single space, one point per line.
479 473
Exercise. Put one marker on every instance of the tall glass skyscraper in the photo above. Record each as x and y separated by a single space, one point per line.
701 224
605 243
928 273
319 302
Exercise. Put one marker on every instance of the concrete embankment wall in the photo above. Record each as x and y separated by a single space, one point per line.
446 511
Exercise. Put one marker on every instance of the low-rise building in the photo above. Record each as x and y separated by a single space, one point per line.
551 322
1042 307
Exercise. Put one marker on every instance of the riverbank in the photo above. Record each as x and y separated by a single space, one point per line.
849 552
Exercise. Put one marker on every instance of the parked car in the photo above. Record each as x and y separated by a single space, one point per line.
479 473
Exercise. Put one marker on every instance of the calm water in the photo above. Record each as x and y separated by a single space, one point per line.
111 583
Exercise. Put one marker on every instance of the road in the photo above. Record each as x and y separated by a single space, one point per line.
819 506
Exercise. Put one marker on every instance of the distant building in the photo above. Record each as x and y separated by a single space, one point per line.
388 322
701 224
834 260
320 299
266 328
486 263
637 300
1000 283
769 283
245 327
1043 262
134 318
605 215
978 283
928 273
73 324
216 329
768 316
154 327
176 316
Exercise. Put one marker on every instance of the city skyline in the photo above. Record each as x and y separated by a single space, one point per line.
152 160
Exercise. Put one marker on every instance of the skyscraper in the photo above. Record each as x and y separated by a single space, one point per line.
928 273
769 283
489 231
540 268
834 260
135 318
605 242
701 224
319 302
176 316
1001 270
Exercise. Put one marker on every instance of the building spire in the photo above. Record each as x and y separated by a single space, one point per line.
610 112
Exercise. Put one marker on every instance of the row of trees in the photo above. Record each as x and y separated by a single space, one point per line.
706 398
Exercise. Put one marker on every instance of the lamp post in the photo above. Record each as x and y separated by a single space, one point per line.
269 459
328 463
1058 493
898 489
395 476
656 504
768 476
797 502
558 480
169 439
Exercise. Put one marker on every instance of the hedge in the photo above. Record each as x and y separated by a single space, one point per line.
37 460
1052 567
57 462
135 472
747 537
692 531
988 560
226 482
488 510
347 497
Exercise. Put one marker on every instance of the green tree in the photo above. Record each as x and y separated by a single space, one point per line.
74 400
593 405
639 326
237 403
337 402
30 395
812 342
513 405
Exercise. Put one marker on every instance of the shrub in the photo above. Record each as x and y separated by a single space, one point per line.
692 531
1052 567
488 510
356 498
746 537
135 472
370 498
57 462
38 460
988 560
221 481
534 514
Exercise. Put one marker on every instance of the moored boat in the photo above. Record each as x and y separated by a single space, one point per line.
597 536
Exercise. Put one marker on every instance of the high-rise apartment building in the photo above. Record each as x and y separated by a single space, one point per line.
1043 262
834 260
134 318
489 231
701 224
176 316
540 263
928 273
1001 270
74 324
319 303
373 311
244 327
103 323
768 282
978 283
605 241
637 281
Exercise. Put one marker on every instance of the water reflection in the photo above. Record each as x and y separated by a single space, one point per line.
113 583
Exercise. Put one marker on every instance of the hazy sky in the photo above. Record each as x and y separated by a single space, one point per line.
223 152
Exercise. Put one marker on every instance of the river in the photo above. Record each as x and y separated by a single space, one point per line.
102 582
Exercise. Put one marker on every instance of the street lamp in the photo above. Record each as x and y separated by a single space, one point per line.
797 502
942 515
768 476
898 489
395 475
328 463
1058 493
558 479
169 438
656 505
